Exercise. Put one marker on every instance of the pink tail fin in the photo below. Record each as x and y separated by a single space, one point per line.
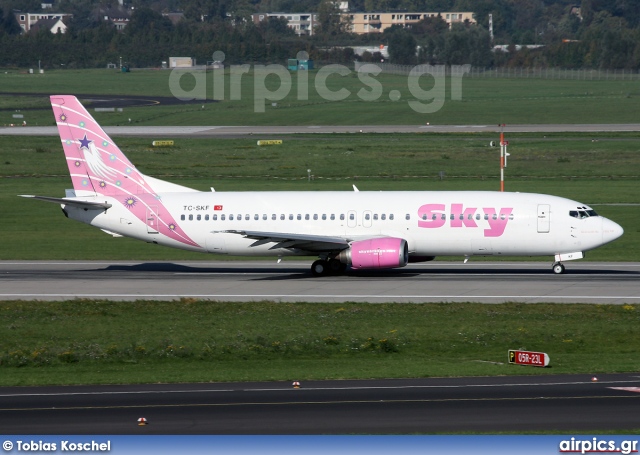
96 164
98 167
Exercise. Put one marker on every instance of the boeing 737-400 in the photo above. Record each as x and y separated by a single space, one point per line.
357 229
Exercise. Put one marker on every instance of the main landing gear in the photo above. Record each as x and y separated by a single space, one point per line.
558 268
323 267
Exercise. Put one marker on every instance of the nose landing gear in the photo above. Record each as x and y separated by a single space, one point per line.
558 268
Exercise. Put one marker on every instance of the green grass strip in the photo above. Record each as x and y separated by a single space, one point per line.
97 342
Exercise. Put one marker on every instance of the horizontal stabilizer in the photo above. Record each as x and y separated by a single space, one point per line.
72 202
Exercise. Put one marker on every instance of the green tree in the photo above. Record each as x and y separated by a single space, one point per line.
9 24
402 45
330 22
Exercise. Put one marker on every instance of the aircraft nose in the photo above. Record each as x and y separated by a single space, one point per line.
610 230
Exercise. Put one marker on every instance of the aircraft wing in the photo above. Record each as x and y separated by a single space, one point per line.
314 243
72 202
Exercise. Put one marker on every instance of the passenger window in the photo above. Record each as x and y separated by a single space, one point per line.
190 217
222 217
256 217
282 216
273 217
424 216
391 217
486 216
342 217
443 217
375 216
333 216
206 217
199 217
477 216
182 217
264 216
247 217
495 217
502 217
324 216
511 216
299 217
230 217
315 216
383 217
452 216
306 217
407 217
291 216
367 216
215 217
239 217
352 216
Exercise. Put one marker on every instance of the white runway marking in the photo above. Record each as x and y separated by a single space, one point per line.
326 296
285 388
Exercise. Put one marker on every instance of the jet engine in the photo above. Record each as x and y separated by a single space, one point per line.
378 253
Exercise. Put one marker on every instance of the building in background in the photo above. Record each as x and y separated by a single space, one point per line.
28 20
301 23
364 23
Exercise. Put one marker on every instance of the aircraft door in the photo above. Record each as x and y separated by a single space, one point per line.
352 219
366 218
544 218
152 219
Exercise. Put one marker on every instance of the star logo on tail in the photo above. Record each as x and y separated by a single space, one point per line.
94 160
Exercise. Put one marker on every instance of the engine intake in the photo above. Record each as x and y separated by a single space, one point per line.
379 253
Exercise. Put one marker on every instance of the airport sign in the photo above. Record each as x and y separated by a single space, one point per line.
536 359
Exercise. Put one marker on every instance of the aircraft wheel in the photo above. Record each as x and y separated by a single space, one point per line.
558 268
319 268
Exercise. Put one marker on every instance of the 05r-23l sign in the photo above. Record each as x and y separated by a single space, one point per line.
536 359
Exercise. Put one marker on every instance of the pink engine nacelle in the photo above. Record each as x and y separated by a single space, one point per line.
380 253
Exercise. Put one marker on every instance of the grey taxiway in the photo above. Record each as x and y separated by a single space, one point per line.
221 130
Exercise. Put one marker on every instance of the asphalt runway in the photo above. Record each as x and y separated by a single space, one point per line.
420 406
242 131
291 281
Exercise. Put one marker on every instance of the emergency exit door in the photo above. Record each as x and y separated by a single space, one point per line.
544 218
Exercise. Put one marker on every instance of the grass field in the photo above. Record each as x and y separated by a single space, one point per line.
195 341
483 101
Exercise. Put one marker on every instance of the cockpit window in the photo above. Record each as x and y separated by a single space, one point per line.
582 213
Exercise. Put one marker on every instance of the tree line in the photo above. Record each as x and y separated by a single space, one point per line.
601 34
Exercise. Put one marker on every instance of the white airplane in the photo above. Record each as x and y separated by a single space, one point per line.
357 229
